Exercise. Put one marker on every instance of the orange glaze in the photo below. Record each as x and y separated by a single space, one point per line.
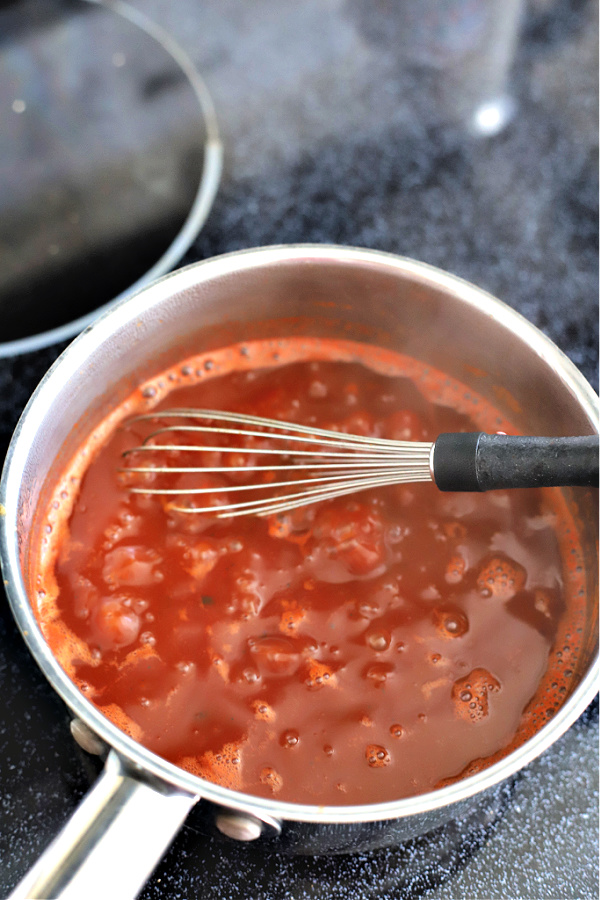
358 651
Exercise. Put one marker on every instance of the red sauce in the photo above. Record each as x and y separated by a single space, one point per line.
356 651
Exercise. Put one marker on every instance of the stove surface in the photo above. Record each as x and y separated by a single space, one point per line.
330 137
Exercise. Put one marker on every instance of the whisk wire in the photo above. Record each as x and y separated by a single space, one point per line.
342 464
410 475
274 451
276 424
287 502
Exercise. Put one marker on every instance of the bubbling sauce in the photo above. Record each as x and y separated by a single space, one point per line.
356 651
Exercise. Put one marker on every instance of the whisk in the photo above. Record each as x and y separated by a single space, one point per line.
314 464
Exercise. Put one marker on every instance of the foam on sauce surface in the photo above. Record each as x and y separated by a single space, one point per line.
358 651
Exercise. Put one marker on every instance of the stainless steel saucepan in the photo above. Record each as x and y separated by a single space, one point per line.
270 292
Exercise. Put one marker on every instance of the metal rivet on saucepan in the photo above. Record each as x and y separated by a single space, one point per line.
86 738
239 827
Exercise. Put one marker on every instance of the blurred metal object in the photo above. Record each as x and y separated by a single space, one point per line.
111 160
454 56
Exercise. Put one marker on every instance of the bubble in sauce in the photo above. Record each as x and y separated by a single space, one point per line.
377 756
397 532
263 711
250 675
455 569
501 577
289 738
471 694
378 674
319 675
317 390
542 602
271 779
450 621
368 609
276 655
115 625
146 637
379 640
132 566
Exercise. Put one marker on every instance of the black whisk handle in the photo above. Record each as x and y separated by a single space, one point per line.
485 462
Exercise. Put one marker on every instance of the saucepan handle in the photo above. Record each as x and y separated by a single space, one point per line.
112 842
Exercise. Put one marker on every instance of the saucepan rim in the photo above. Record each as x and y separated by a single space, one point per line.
140 306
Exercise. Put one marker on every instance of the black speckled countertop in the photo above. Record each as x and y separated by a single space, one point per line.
331 137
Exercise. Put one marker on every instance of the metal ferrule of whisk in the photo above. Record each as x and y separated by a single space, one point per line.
301 465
